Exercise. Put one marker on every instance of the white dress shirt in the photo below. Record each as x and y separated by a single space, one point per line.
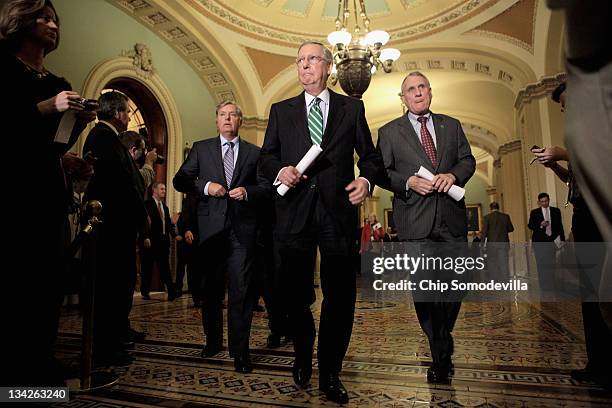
417 126
224 148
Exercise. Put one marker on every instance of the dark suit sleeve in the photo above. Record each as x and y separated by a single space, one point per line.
261 190
466 164
561 231
186 178
370 163
270 155
394 181
533 222
509 226
485 227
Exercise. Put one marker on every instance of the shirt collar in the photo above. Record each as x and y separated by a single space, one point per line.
324 96
110 125
414 119
235 141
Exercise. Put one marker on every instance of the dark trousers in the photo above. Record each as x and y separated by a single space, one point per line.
223 258
437 317
597 336
268 285
545 260
158 254
114 284
298 255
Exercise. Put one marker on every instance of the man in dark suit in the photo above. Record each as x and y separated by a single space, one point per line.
422 211
118 185
320 208
222 172
156 243
547 227
187 231
495 231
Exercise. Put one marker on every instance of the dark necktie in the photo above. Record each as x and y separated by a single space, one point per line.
228 163
161 217
427 141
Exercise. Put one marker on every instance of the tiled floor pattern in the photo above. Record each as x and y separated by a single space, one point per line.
506 355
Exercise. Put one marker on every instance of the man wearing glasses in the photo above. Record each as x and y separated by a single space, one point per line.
319 209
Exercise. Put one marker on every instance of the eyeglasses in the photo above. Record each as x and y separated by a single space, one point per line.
413 90
312 60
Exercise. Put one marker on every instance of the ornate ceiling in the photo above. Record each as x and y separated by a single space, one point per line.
479 54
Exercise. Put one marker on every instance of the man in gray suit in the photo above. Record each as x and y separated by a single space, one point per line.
495 231
222 173
422 211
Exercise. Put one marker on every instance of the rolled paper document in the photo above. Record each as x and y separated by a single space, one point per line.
455 192
302 166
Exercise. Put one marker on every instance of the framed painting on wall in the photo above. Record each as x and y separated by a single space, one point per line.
474 216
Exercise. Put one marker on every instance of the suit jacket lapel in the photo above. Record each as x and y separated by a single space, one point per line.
243 153
411 137
215 154
441 139
334 118
299 119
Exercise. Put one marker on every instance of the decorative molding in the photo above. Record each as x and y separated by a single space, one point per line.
510 147
491 190
142 60
494 71
254 122
123 66
236 21
541 88
181 39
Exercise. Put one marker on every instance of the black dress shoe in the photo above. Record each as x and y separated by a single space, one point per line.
135 335
302 371
126 345
146 297
331 385
274 341
439 374
588 375
242 364
210 351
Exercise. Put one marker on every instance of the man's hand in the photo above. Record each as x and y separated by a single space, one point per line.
290 176
75 166
544 224
420 185
147 243
216 190
442 182
238 193
358 191
189 237
178 238
547 155
151 157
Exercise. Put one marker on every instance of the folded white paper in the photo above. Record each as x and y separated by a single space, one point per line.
64 130
302 166
455 192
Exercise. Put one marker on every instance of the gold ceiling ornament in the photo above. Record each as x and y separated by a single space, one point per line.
357 57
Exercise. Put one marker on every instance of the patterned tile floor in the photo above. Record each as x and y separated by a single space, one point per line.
506 355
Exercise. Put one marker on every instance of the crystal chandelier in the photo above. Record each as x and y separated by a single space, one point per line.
357 57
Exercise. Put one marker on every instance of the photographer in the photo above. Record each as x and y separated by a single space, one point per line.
135 143
34 102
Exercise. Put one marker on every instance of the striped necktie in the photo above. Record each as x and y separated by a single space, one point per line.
228 163
315 122
427 141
